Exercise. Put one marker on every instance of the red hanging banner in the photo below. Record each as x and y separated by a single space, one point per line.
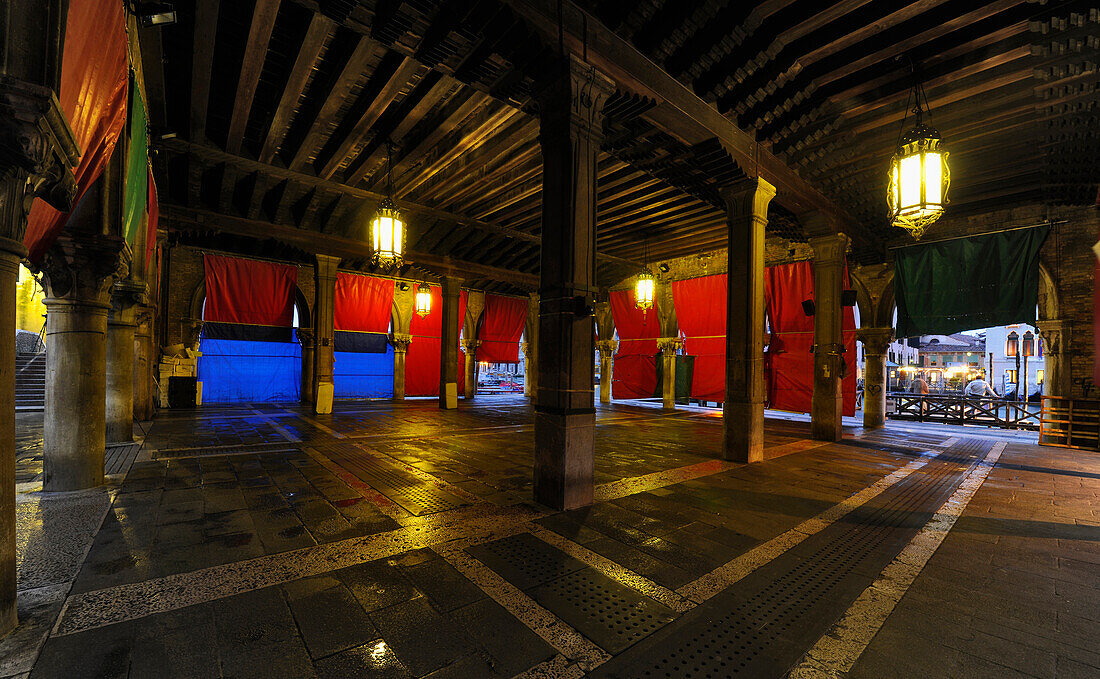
364 306
244 296
423 356
153 218
93 99
501 329
634 374
701 315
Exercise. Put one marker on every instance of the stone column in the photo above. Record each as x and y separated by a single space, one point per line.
305 336
743 410
400 342
607 349
571 122
122 324
79 272
144 362
668 347
324 308
876 341
828 399
1055 334
37 159
469 347
531 349
448 345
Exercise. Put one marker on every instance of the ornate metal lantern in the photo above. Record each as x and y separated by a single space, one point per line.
643 290
387 229
423 300
645 285
919 175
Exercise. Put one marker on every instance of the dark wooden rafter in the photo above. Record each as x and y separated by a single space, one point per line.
259 35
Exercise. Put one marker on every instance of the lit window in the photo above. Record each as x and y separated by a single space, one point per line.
1039 376
1029 344
1012 345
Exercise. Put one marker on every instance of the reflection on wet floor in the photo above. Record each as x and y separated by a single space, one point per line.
398 540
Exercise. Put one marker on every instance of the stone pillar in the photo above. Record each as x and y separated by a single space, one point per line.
324 308
400 344
668 347
828 399
122 324
531 349
469 347
448 345
876 341
571 122
37 159
1055 334
607 349
79 272
743 410
305 336
144 362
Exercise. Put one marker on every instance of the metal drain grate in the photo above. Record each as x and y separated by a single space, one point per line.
610 614
763 624
524 560
208 451
414 495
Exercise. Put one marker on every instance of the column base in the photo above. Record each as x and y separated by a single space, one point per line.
323 404
743 431
826 421
564 459
448 399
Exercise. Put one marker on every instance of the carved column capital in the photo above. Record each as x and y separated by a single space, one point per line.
1053 331
584 89
669 345
607 347
470 345
748 198
305 337
194 332
79 268
401 341
830 249
875 340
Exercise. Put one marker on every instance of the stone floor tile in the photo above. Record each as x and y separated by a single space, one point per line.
405 628
330 619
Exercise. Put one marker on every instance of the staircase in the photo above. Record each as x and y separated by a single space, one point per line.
30 381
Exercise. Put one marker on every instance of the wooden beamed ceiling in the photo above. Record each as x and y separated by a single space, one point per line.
284 110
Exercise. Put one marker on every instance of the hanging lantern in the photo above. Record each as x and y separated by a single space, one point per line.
387 229
387 235
919 176
423 300
643 290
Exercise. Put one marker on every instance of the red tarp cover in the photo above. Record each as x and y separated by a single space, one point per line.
153 217
790 366
363 303
701 315
93 99
422 359
635 372
501 329
1095 319
249 292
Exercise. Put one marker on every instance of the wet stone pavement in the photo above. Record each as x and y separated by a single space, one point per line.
398 540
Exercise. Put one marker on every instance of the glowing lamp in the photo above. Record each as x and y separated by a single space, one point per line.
643 290
423 300
919 179
387 235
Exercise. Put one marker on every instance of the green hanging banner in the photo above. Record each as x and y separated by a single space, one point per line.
968 283
137 175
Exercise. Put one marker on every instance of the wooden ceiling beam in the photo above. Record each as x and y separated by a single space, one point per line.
255 51
202 61
393 86
350 74
177 217
309 53
679 112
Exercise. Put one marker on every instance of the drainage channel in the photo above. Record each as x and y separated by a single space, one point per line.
761 626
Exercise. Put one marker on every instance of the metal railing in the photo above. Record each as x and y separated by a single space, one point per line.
1070 423
960 409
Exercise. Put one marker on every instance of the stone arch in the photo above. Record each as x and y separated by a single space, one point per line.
1048 295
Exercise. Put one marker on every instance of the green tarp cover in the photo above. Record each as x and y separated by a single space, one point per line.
137 174
968 283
